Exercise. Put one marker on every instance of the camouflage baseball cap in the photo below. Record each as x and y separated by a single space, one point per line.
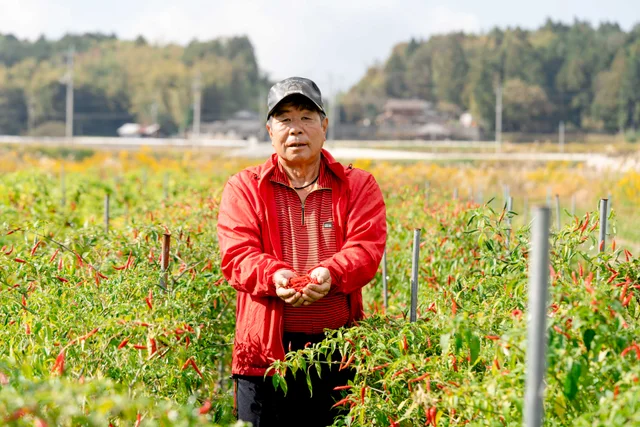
294 86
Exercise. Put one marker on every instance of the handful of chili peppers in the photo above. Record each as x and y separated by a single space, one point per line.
298 283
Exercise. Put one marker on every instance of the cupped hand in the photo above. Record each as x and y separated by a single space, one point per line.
290 296
319 286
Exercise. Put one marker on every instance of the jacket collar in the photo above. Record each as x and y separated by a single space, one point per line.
265 170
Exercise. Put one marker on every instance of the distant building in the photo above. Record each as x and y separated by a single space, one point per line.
244 124
135 130
420 119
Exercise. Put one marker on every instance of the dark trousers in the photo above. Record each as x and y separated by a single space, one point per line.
259 403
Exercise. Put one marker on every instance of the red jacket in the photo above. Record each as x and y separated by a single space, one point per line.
250 247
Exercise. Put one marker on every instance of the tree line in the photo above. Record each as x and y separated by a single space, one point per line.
587 77
118 81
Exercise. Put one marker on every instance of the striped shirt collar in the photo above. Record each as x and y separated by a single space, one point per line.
280 176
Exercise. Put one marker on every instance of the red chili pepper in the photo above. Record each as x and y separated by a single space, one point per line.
140 347
346 365
580 271
405 345
21 261
379 367
62 279
152 346
627 255
206 406
420 378
35 247
208 266
363 391
454 307
191 363
123 343
593 227
149 299
587 283
613 245
138 420
9 252
601 246
58 366
574 278
54 255
88 335
341 402
627 300
343 387
492 337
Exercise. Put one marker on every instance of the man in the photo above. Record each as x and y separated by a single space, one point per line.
299 213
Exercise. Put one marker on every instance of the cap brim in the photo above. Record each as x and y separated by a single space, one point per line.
291 94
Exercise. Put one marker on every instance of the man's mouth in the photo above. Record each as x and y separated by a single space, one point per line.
296 144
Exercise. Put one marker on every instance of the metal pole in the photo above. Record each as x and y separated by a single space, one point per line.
499 117
63 190
69 102
385 291
609 204
558 222
165 186
455 193
537 317
106 213
507 192
164 264
548 196
414 275
197 104
509 208
561 136
603 224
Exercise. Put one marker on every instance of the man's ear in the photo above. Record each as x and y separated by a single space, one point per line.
325 126
269 131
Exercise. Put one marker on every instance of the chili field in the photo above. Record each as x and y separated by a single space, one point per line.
94 332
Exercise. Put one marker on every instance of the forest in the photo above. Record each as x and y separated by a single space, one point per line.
585 76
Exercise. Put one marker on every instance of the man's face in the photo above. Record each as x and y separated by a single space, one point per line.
297 134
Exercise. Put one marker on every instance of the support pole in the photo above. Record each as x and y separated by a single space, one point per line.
604 203
558 220
166 246
414 275
385 289
537 319
106 213
509 208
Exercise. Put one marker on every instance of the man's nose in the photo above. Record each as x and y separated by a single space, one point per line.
295 127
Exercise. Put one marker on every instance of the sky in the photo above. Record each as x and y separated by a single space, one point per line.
330 41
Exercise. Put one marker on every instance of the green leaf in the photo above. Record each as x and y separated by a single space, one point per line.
474 346
587 337
571 381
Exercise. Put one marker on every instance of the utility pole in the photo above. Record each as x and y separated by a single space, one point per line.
197 101
154 112
262 107
69 82
332 111
499 116
561 136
